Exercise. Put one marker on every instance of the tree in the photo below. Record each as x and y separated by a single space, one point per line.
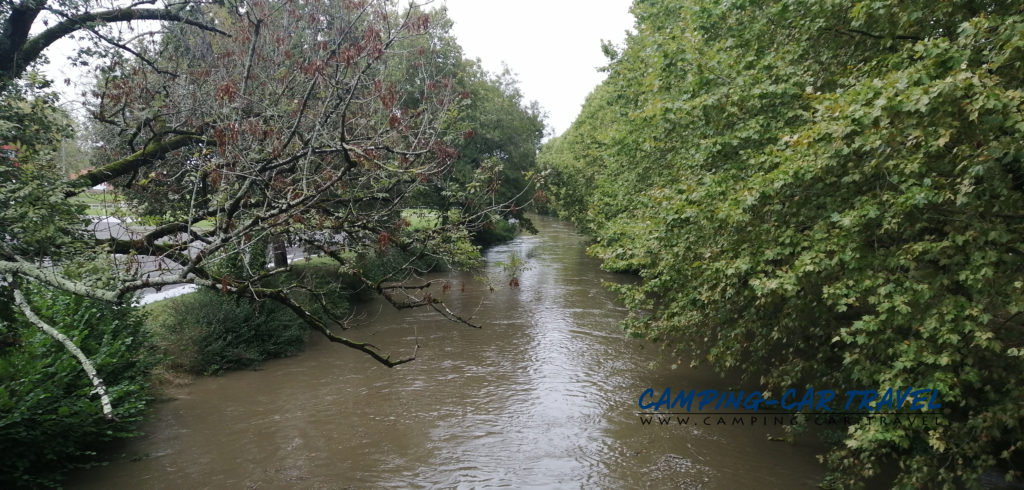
315 119
824 193
500 135
499 130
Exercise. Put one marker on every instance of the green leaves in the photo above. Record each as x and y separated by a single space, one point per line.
822 192
44 395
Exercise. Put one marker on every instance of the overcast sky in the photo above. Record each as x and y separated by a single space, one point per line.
553 46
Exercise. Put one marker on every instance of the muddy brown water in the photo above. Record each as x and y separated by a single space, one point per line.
544 396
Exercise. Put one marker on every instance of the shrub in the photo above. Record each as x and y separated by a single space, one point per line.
494 232
329 289
49 420
207 332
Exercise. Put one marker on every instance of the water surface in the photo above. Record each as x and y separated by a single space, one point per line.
544 396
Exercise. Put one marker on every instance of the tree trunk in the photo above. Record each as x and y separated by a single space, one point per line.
280 252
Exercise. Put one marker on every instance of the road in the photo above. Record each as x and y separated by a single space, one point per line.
107 227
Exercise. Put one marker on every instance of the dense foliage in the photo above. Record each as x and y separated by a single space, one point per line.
501 136
500 133
207 332
49 419
826 193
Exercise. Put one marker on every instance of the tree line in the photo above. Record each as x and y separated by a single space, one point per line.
822 193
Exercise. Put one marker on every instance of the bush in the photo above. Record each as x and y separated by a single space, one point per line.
207 332
49 420
495 232
329 289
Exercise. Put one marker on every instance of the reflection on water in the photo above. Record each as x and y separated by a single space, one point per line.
543 396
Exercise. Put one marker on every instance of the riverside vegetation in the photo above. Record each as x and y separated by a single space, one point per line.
820 193
823 193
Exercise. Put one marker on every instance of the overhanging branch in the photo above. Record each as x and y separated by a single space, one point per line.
148 155
34 47
319 325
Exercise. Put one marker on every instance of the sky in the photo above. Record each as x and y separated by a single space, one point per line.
553 46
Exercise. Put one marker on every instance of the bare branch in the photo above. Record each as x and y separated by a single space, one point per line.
90 370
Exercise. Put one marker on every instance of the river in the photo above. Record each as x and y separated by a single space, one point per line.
544 396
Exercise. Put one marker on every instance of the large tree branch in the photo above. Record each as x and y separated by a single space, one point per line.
146 156
14 34
319 325
52 278
169 229
281 297
29 51
145 247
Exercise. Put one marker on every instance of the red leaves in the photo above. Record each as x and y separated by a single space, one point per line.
314 68
444 153
540 196
353 5
227 91
420 25
254 128
374 46
389 96
350 53
225 135
468 134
